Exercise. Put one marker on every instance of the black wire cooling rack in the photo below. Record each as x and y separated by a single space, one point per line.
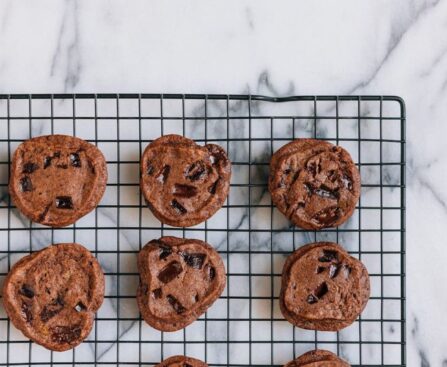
244 327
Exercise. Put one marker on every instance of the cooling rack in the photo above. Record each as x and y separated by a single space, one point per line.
244 327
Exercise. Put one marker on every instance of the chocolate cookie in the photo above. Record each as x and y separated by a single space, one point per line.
52 295
318 358
184 183
181 361
314 183
179 280
57 179
323 287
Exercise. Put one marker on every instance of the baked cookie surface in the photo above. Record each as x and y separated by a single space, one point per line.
314 183
52 295
318 358
323 287
181 361
179 280
57 179
184 183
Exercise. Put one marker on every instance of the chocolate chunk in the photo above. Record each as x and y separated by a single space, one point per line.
185 191
163 176
80 307
170 272
194 260
29 167
157 293
309 188
179 208
195 171
333 270
27 311
26 291
320 269
176 305
328 256
321 290
311 299
75 160
25 184
65 334
165 250
326 193
64 202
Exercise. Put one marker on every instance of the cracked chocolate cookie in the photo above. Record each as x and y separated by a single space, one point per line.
318 358
184 183
52 295
181 361
179 280
314 183
57 179
323 287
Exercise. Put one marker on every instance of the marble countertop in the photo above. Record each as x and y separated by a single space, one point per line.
378 47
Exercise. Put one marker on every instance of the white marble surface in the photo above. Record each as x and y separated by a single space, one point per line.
319 47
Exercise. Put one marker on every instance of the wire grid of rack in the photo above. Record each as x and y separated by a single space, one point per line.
244 327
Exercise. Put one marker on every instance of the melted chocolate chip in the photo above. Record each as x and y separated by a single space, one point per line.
44 213
63 166
47 162
328 256
195 171
170 272
48 159
51 310
25 184
26 311
65 334
320 269
309 188
64 202
346 271
157 293
26 291
333 270
163 176
327 217
347 182
179 208
211 272
75 160
212 189
29 167
184 191
321 290
150 169
194 260
176 305
186 365
311 299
